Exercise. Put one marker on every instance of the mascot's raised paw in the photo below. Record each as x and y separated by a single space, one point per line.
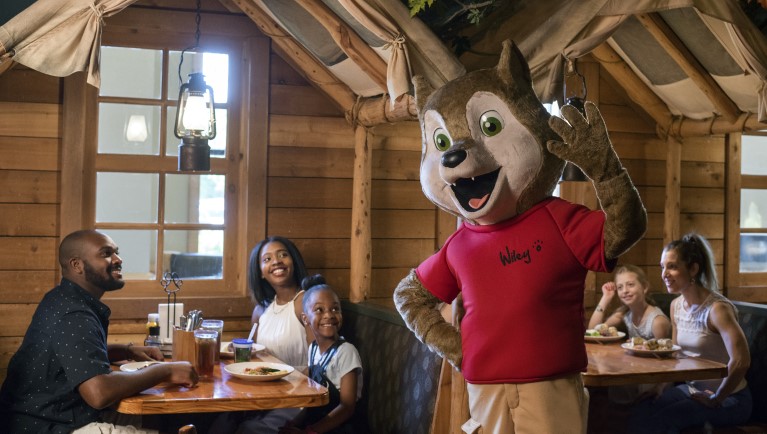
585 142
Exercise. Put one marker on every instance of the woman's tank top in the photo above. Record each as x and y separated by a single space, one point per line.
283 334
694 336
644 329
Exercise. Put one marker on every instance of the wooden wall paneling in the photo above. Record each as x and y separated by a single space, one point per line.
29 153
396 165
21 84
309 223
401 253
289 192
696 173
324 252
620 118
386 279
300 100
403 223
282 73
28 253
25 286
28 186
310 131
397 136
361 243
24 119
28 219
311 162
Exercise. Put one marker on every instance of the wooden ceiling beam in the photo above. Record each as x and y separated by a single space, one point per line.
670 42
298 57
636 89
349 41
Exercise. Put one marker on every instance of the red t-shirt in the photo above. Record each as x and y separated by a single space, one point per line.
522 282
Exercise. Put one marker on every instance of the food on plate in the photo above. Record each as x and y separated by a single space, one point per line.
604 330
651 344
592 332
263 370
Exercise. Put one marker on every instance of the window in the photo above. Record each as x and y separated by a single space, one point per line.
162 220
119 155
753 205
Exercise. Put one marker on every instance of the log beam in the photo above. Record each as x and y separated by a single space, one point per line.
361 261
347 39
670 42
375 111
682 127
673 190
636 89
297 56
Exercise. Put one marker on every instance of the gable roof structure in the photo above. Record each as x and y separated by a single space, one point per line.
692 66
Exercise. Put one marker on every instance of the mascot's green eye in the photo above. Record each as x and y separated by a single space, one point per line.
441 140
491 123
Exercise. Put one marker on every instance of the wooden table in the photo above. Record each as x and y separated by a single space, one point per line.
227 393
611 365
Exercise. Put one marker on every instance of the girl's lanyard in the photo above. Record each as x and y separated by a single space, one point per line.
319 368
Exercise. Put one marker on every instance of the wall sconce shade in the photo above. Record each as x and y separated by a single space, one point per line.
136 129
195 124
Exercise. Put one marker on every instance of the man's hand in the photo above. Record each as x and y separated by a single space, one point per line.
142 354
183 373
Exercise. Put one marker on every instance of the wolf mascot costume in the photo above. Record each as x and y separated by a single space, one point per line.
492 155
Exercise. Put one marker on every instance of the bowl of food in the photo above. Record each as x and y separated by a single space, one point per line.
650 347
258 371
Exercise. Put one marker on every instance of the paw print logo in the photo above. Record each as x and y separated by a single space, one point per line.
538 245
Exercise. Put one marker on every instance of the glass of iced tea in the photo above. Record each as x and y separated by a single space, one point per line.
218 326
205 341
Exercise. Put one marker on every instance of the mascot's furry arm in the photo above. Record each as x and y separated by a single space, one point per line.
418 308
587 144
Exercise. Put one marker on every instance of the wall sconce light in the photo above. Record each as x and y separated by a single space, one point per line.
575 95
195 124
136 130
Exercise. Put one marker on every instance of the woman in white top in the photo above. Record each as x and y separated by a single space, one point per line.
705 323
638 314
275 275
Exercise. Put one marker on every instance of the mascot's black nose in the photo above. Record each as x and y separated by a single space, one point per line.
453 158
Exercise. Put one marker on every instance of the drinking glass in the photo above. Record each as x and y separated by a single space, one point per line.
242 348
205 341
216 325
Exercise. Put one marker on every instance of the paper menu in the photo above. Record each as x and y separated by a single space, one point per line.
174 311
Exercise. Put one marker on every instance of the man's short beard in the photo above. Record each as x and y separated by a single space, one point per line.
98 280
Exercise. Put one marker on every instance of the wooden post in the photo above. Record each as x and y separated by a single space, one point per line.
732 225
361 262
673 189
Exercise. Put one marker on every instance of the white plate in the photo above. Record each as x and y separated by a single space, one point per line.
620 336
238 370
227 352
642 352
135 366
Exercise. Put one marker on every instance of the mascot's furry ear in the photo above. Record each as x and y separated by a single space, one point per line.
509 68
423 91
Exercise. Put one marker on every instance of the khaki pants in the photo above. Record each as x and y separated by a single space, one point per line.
556 407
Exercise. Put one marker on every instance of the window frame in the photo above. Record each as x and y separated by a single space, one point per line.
744 286
244 165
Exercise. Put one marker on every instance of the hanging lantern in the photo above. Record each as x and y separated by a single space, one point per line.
575 95
195 124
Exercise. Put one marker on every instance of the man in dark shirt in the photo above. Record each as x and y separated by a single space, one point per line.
60 377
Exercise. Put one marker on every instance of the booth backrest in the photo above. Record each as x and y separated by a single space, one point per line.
401 375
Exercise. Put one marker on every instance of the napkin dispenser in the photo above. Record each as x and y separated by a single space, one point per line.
172 311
